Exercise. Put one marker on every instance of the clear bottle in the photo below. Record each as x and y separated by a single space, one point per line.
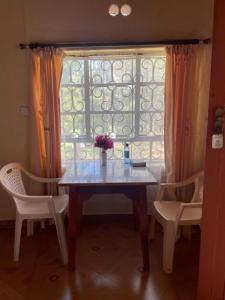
126 154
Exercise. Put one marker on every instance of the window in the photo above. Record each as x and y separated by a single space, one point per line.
119 94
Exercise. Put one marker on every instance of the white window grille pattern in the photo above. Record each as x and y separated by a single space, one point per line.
120 94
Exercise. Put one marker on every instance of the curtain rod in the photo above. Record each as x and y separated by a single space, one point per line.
113 45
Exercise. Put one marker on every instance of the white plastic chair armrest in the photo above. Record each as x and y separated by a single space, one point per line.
177 184
192 205
181 183
31 197
36 198
186 205
41 179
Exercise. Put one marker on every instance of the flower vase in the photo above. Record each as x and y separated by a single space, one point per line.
103 158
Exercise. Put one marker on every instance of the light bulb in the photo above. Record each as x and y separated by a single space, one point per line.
114 10
125 10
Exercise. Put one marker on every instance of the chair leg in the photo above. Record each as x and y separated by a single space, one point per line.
169 239
61 237
18 228
152 228
135 214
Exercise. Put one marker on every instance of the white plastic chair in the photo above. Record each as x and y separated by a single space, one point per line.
32 208
171 214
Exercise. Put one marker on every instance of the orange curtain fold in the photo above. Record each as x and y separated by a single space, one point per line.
46 75
186 107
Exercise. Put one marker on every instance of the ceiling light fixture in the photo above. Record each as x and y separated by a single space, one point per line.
114 10
125 10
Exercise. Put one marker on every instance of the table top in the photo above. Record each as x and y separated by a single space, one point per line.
90 172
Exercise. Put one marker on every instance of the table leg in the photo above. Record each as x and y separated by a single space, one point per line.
72 227
79 213
142 205
135 213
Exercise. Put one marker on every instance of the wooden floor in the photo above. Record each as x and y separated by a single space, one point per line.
108 266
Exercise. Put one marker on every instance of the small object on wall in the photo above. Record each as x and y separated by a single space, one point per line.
114 10
125 10
217 141
217 137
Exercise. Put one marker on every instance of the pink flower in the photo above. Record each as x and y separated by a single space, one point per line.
104 142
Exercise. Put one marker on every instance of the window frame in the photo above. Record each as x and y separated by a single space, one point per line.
86 85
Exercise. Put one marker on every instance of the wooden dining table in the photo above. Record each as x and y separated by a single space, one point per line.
88 177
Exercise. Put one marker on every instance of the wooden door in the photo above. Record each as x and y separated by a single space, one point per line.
212 257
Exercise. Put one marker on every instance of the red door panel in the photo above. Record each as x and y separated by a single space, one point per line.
212 258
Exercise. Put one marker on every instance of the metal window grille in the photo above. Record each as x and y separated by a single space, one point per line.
119 94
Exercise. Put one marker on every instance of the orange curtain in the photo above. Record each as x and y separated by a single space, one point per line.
186 108
46 75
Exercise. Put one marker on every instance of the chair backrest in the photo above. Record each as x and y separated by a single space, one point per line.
11 178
